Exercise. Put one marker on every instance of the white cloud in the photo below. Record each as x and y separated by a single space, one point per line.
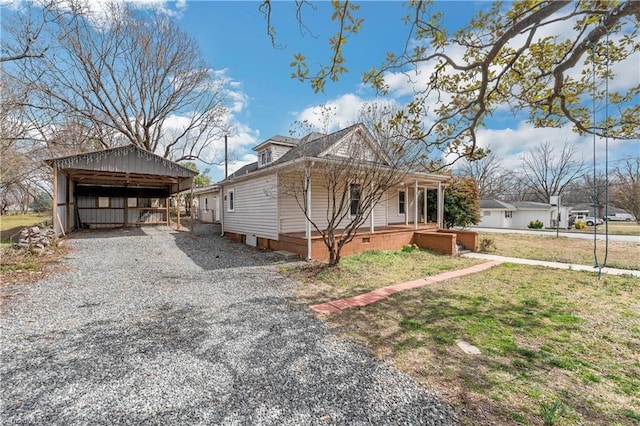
345 111
510 144
237 163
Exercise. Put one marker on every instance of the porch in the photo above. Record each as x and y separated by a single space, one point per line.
391 237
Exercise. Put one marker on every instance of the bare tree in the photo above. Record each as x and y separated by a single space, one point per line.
545 173
625 189
132 77
493 180
353 182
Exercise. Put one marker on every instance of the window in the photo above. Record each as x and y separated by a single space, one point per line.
103 202
355 199
231 200
508 215
132 202
487 213
206 204
401 202
265 156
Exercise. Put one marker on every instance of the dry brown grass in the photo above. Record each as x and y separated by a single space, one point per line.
566 250
20 267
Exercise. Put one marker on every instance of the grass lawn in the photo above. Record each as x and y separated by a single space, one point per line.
362 273
11 224
560 347
566 250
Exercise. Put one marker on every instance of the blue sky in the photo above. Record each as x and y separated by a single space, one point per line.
232 36
265 100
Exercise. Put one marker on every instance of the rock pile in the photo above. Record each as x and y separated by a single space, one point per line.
37 240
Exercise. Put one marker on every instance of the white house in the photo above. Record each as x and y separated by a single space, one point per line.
258 207
207 203
518 214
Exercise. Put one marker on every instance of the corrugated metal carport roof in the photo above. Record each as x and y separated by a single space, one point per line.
124 166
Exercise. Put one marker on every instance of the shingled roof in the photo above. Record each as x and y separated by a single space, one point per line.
496 204
311 145
314 144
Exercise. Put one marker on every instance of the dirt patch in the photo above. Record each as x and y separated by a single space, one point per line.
20 267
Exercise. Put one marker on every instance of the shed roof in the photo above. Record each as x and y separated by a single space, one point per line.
123 166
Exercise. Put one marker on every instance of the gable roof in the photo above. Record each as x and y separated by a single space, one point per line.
321 146
531 205
315 144
277 140
127 165
496 204
251 167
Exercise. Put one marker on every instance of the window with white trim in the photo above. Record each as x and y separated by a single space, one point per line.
355 192
401 202
231 201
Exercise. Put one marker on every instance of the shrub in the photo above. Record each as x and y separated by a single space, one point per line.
487 245
535 224
580 224
410 248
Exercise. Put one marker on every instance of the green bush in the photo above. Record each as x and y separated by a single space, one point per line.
580 224
410 248
535 224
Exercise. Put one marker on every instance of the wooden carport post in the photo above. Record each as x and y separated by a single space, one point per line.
56 217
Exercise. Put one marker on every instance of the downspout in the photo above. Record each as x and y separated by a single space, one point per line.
307 177
221 207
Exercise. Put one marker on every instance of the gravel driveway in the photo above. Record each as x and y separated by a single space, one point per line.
152 326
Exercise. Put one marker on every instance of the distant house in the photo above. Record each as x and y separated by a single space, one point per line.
518 214
207 203
116 187
256 207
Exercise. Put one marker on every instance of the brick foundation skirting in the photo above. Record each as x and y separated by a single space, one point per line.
443 241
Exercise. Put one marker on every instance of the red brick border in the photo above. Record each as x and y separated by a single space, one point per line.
384 292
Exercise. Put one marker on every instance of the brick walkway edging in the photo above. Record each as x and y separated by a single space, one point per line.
384 292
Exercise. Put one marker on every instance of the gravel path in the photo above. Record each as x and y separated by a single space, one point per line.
152 326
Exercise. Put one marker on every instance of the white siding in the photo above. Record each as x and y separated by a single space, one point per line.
255 208
380 212
354 145
292 217
392 206
278 151
521 218
494 219
207 207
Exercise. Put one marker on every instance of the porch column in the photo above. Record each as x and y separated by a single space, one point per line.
415 204
406 204
425 206
307 231
440 205
371 226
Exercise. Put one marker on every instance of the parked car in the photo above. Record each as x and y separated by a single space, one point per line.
589 220
624 217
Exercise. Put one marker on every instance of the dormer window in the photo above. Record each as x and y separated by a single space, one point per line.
265 157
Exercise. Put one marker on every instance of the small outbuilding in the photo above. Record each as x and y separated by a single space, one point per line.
207 203
116 187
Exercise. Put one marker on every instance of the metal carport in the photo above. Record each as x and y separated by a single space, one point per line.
116 187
